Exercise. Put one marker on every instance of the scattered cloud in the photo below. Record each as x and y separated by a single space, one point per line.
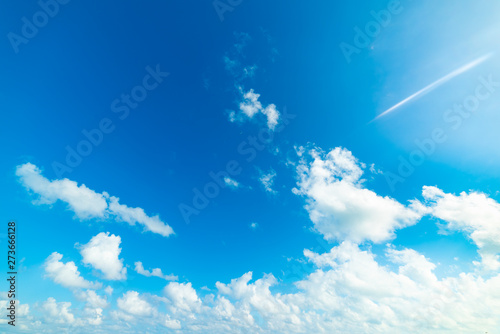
348 290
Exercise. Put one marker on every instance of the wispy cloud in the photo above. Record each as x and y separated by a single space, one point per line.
231 183
267 180
436 84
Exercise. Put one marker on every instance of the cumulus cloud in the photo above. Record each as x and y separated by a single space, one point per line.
85 202
340 207
349 289
132 303
171 323
156 272
251 106
92 299
66 274
57 312
182 296
475 214
94 306
102 252
352 283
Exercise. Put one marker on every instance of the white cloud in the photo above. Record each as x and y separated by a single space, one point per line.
474 214
137 215
94 316
57 312
66 274
348 291
338 204
85 202
108 290
272 115
267 180
254 225
92 299
171 323
251 106
231 183
139 268
102 252
132 303
182 296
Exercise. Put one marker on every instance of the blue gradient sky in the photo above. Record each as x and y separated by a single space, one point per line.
64 80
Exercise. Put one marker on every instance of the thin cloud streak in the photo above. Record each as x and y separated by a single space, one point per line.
437 83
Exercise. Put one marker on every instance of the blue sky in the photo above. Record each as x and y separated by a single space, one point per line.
341 221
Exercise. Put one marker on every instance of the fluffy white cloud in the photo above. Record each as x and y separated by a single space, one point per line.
66 274
474 214
85 202
22 313
171 323
347 291
139 268
182 296
338 204
272 115
251 106
92 299
412 299
57 312
94 306
132 303
102 252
